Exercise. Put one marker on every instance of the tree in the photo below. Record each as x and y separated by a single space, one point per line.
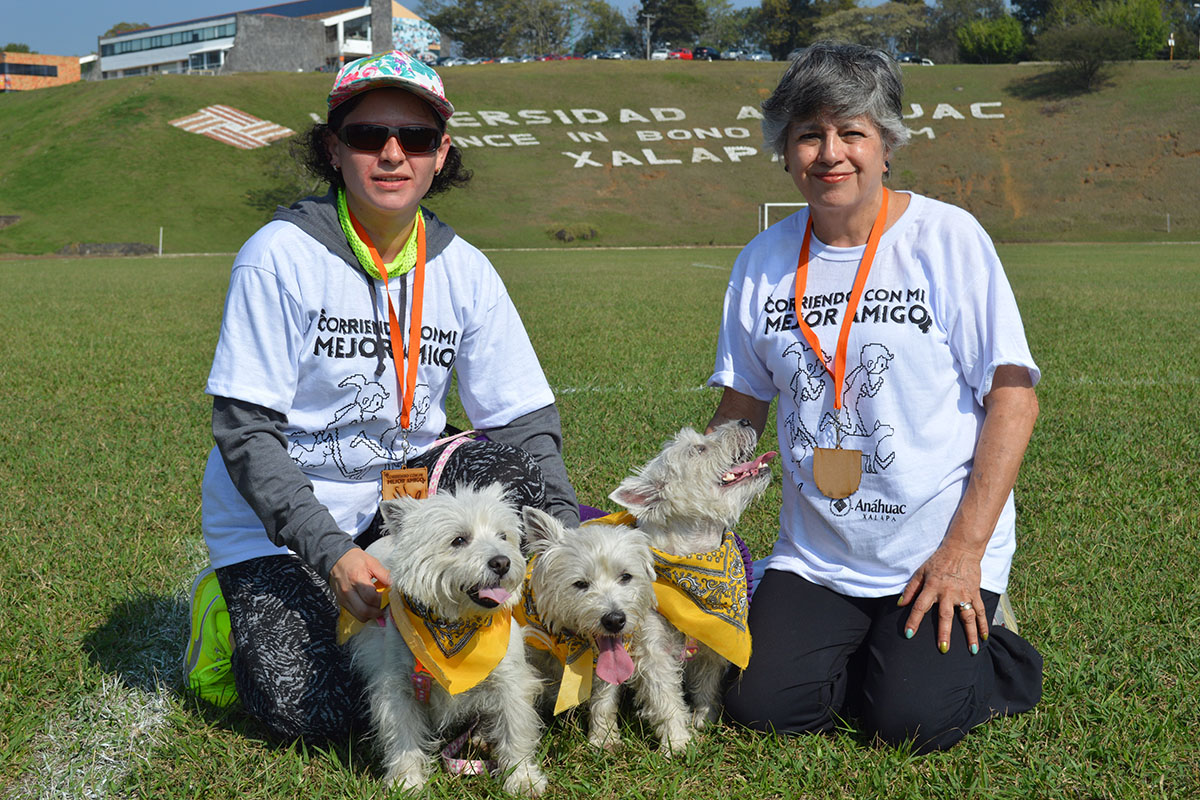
723 26
488 27
1083 49
539 26
875 26
17 47
1031 13
677 21
475 24
788 24
991 41
601 26
1141 19
950 15
125 27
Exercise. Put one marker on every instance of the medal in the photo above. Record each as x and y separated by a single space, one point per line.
837 471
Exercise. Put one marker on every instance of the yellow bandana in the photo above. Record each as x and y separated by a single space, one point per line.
703 594
575 653
458 654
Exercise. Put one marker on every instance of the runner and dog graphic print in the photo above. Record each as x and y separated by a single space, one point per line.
857 424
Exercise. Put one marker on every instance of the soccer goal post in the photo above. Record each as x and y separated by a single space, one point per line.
764 212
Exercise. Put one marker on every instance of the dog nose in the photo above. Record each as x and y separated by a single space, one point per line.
745 423
499 565
613 621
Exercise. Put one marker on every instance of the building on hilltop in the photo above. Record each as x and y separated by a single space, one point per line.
303 35
21 72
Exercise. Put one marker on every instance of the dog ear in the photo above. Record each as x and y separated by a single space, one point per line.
393 511
541 529
637 495
642 543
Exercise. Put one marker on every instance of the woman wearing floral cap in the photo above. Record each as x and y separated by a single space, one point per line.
317 399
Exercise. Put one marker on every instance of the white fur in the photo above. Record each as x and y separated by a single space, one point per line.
438 551
684 506
578 578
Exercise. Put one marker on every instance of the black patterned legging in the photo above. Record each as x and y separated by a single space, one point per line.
289 670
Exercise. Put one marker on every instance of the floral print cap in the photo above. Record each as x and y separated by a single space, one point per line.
395 69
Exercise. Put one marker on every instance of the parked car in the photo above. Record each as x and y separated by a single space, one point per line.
660 54
681 54
734 54
757 55
913 58
506 60
617 54
706 54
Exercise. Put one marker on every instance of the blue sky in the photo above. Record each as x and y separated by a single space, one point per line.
71 27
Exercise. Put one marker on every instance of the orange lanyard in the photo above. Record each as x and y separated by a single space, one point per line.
838 371
408 383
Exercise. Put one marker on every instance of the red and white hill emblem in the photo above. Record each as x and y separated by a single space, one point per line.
231 126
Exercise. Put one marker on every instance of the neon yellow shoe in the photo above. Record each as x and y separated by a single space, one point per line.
206 665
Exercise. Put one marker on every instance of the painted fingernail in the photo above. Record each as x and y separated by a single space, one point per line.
908 633
985 637
900 600
974 649
943 647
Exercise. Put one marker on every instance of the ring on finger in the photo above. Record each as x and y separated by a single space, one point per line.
965 606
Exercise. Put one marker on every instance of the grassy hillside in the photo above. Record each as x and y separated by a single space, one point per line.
97 162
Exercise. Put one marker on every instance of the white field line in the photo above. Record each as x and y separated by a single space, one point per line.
624 388
89 749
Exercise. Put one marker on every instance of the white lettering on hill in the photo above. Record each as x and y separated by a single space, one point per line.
659 126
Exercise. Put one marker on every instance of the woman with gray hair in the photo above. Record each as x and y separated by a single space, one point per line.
884 326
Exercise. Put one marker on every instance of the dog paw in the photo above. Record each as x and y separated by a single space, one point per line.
408 782
675 739
702 717
605 740
525 779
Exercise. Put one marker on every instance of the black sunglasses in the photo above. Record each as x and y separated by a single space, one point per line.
414 139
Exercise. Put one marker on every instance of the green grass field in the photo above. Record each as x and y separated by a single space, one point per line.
106 430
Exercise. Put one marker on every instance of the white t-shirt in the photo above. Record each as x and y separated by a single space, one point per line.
300 336
936 319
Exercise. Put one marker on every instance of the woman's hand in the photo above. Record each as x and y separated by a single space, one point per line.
356 579
735 405
950 580
951 576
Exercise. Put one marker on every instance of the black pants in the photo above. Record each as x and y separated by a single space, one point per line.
289 670
820 657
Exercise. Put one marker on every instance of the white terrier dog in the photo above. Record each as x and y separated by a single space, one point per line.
590 597
687 500
457 572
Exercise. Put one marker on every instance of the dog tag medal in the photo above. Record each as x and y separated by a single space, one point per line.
409 482
837 471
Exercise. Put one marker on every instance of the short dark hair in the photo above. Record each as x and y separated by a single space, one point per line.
312 150
840 81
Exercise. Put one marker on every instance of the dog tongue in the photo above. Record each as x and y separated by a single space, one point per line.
613 665
735 474
495 594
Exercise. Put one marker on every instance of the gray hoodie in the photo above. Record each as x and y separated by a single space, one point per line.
253 446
